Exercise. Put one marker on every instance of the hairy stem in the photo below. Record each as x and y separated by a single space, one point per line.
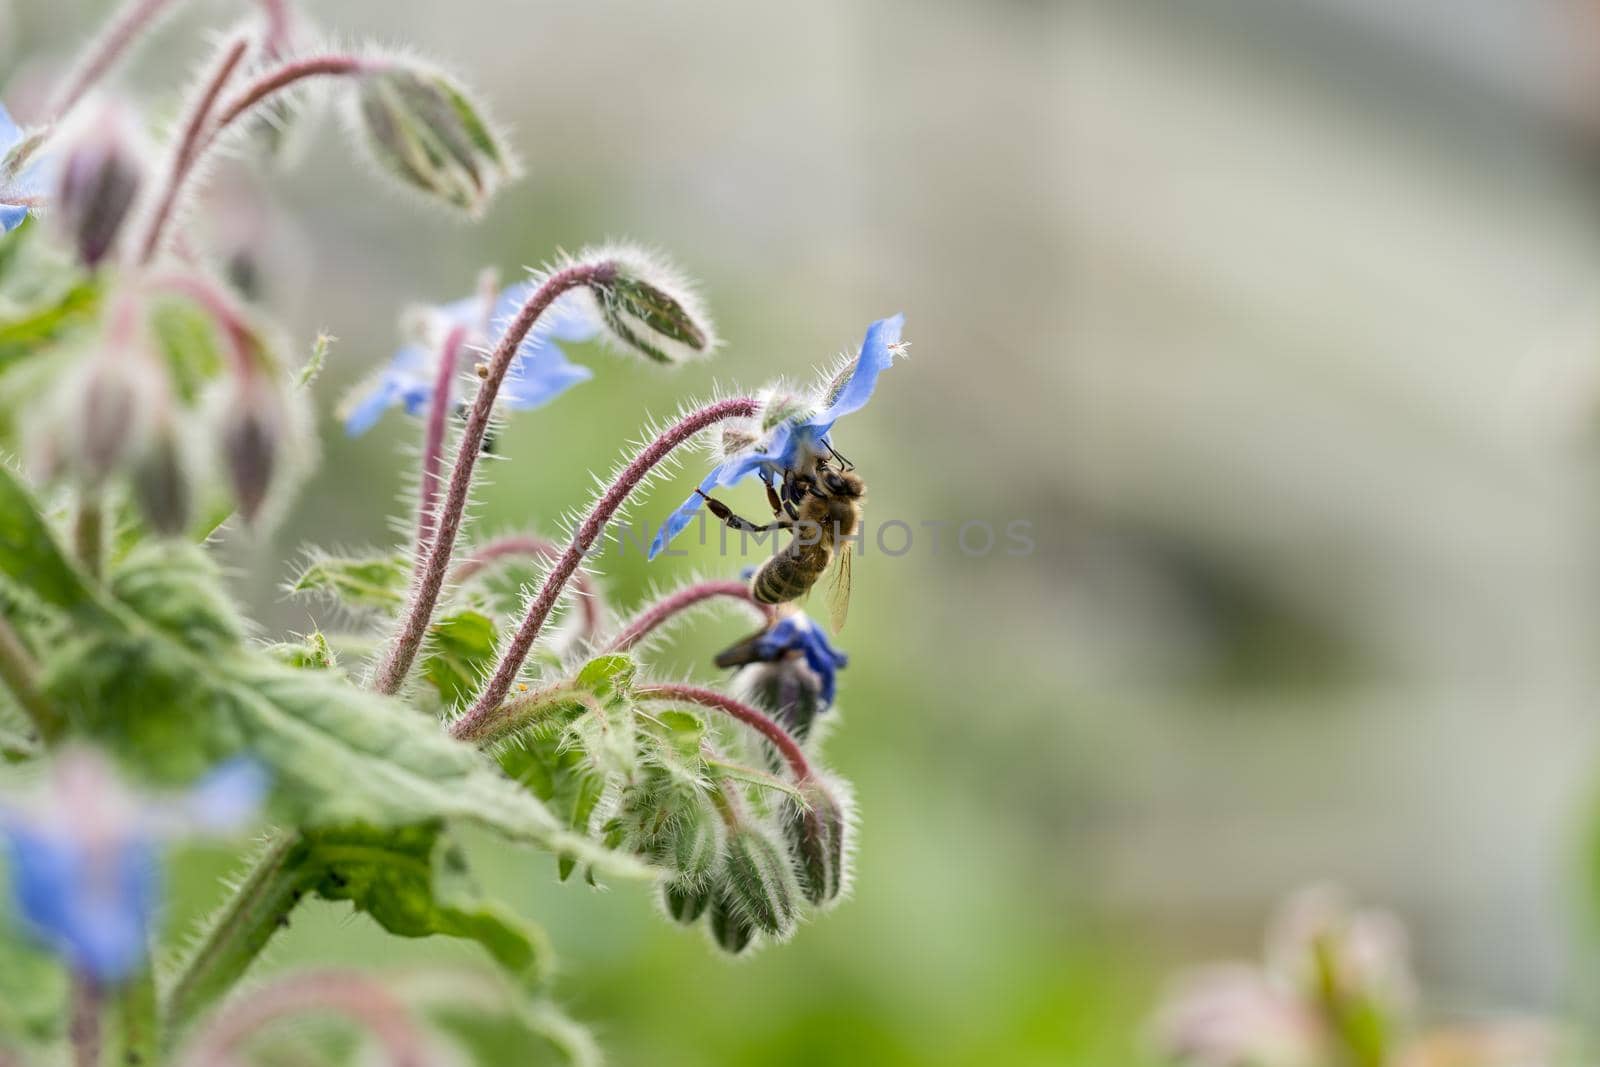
529 547
187 143
20 674
238 933
663 610
505 673
267 84
119 33
521 711
391 672
433 441
348 993
84 1023
760 721
88 531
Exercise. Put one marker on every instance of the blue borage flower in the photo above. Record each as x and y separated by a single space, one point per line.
797 633
797 439
14 189
539 373
85 870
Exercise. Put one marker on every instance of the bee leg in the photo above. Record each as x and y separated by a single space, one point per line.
773 500
737 522
845 463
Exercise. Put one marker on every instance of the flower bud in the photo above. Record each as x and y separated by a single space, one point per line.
251 431
424 131
731 929
100 422
161 483
759 881
818 833
788 689
649 308
685 901
778 405
1326 948
101 166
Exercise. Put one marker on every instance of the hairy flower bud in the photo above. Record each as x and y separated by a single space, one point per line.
424 131
780 405
649 308
731 928
101 166
161 483
251 439
685 901
788 689
818 831
760 882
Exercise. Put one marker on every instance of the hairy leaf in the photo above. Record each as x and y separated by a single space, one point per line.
462 649
360 583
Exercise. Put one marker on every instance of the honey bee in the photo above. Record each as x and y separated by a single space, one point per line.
822 509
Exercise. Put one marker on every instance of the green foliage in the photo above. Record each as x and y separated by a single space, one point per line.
359 583
461 651
414 883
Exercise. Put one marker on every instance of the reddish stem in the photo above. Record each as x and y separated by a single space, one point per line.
684 599
426 589
265 85
186 146
346 993
763 723
530 547
123 29
433 439
223 310
505 673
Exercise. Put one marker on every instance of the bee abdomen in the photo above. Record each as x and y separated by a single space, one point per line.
779 581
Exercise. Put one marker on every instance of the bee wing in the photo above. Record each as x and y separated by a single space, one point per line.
839 586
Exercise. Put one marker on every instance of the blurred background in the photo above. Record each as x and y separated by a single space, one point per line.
1277 320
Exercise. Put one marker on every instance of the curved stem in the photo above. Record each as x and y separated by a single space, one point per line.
188 143
530 547
425 592
267 84
124 28
346 993
758 720
526 708
664 609
632 475
433 440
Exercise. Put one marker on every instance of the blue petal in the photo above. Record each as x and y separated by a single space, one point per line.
229 797
797 633
539 374
364 413
92 907
876 356
11 216
679 520
10 132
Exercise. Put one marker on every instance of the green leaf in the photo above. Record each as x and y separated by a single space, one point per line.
360 583
33 988
462 648
414 883
313 653
186 336
29 556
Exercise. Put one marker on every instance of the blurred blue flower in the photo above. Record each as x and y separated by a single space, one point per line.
797 633
539 373
790 443
84 864
25 186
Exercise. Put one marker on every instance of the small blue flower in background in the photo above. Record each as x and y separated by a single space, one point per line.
797 633
789 444
25 186
84 857
539 373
